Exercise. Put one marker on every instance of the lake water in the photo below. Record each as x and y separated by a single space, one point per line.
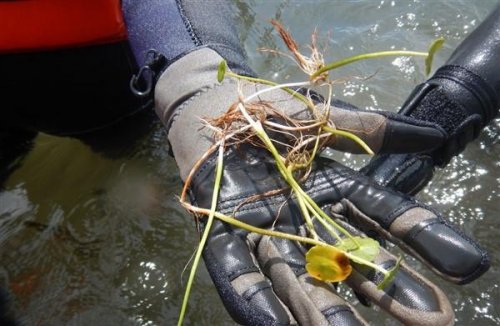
86 239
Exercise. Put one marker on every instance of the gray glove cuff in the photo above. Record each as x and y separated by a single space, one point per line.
186 92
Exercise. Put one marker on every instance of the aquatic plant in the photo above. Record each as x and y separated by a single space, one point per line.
246 121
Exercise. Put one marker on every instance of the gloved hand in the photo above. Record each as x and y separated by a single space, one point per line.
260 279
462 97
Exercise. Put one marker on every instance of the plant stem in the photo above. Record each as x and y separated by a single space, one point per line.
327 226
351 136
372 55
286 173
367 263
250 228
208 226
288 176
322 214
307 217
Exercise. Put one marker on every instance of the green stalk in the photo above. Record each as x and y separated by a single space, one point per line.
322 214
283 235
327 226
296 187
287 175
351 136
208 226
367 263
372 55
307 217
250 228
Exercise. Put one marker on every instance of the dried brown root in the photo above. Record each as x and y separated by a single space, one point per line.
308 65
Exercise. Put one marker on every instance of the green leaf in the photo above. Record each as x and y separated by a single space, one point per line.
390 275
436 45
363 248
328 264
221 72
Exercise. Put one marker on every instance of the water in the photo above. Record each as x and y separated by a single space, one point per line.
86 239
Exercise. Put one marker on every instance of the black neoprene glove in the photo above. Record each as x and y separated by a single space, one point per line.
462 97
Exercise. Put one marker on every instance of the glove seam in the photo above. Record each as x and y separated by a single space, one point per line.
433 221
234 274
398 212
177 109
187 24
258 287
337 309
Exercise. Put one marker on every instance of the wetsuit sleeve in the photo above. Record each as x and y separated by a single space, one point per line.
174 28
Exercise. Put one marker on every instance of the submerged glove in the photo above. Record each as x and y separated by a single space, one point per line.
462 97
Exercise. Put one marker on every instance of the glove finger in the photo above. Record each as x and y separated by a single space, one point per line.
384 132
312 302
246 293
428 237
415 228
407 173
409 297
